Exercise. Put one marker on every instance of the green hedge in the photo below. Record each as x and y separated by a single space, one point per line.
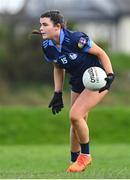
30 125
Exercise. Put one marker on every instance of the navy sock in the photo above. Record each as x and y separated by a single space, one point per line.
85 148
74 156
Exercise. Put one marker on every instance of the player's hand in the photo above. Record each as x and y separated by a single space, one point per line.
109 79
56 103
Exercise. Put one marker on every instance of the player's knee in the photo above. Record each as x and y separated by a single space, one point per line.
74 116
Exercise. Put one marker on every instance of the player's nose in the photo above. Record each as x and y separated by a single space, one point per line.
41 28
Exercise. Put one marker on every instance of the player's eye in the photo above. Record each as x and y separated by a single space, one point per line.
44 24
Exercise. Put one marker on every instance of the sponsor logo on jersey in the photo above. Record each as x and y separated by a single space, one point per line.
73 56
82 42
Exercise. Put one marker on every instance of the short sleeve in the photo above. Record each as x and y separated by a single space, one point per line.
49 57
82 41
44 51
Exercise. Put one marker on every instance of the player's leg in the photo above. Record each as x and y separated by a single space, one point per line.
83 104
74 141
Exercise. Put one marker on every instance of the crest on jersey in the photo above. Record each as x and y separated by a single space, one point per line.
82 42
73 56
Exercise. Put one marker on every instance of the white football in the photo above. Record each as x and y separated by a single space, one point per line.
94 78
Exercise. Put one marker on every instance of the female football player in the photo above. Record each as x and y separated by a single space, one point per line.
73 52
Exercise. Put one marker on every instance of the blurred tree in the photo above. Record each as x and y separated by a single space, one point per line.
21 58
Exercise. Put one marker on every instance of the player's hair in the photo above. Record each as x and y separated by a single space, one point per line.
55 16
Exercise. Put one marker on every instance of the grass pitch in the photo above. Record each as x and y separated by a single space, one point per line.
51 161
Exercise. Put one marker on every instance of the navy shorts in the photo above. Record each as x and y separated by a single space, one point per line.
76 80
76 84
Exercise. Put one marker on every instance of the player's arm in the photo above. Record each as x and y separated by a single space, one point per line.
58 78
100 53
56 103
85 44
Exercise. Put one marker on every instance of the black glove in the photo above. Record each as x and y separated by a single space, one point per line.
56 103
109 79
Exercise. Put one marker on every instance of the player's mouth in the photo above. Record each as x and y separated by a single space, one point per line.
43 33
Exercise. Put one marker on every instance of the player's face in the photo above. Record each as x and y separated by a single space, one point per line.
47 28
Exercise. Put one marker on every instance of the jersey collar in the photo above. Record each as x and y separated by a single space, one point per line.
62 35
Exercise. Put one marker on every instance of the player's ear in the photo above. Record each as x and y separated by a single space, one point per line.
58 26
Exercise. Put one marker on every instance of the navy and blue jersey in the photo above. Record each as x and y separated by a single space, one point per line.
73 53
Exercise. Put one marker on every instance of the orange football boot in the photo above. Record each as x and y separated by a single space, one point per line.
82 162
